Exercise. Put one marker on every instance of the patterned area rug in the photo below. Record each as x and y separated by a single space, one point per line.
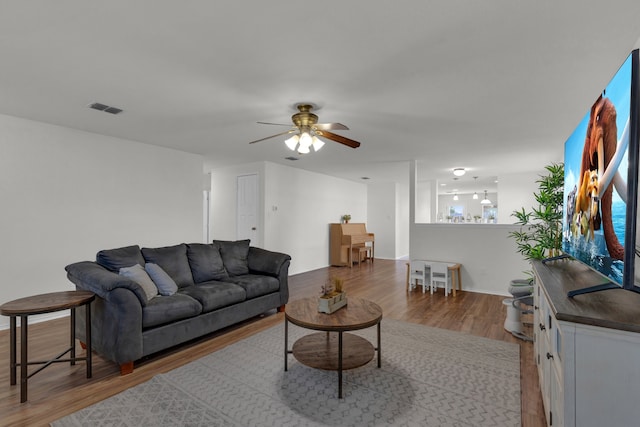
429 377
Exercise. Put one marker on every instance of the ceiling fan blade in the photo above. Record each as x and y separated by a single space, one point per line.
273 136
276 124
330 126
339 138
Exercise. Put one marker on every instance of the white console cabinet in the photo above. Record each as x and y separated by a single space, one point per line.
586 348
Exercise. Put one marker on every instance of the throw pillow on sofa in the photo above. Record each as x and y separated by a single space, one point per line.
235 256
165 284
206 262
115 259
140 276
173 260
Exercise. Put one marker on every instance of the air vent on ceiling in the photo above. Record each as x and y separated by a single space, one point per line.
291 158
107 109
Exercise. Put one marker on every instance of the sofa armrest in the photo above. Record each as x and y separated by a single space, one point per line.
116 326
91 276
276 264
266 262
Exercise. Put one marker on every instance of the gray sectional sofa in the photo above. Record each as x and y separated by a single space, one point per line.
203 288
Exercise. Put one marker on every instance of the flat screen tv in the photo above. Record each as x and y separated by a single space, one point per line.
601 184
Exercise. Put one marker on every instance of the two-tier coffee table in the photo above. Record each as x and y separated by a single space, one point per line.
39 304
332 349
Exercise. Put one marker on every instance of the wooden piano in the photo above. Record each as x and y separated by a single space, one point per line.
344 238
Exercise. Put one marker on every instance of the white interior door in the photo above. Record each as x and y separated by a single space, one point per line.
247 208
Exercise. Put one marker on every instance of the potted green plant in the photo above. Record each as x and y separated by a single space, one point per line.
540 233
346 218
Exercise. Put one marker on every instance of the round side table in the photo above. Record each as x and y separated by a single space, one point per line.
39 304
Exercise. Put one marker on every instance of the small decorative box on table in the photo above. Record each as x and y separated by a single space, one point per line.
332 297
332 302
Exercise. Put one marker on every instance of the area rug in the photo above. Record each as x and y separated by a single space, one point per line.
429 377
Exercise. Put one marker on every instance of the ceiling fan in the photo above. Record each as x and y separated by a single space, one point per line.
306 131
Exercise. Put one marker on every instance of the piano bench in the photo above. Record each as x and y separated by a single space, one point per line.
361 251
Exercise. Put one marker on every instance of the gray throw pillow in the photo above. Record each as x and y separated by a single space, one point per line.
138 275
165 284
115 259
173 260
206 262
235 256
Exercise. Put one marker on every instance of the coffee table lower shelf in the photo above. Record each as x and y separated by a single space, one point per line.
321 350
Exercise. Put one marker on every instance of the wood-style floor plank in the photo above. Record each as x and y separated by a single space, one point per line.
62 389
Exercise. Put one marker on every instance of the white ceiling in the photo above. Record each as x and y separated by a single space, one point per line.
491 85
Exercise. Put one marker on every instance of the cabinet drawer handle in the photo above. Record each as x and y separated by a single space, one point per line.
542 327
535 307
549 356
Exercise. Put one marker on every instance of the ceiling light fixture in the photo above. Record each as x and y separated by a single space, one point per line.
304 141
459 171
486 200
455 196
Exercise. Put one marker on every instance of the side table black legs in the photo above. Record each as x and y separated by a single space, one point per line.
23 358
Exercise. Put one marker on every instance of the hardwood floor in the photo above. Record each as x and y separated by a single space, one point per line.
62 389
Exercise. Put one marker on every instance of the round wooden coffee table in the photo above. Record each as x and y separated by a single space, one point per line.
324 350
39 304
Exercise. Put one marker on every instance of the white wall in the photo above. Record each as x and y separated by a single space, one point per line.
388 218
515 191
381 218
425 201
402 219
65 194
298 207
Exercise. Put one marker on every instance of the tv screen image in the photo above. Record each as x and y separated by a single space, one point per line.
600 185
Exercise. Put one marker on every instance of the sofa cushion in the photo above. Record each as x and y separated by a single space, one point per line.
115 259
235 256
173 260
206 262
165 284
213 295
162 310
140 276
256 285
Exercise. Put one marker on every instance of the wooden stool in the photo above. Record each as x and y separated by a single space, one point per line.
358 253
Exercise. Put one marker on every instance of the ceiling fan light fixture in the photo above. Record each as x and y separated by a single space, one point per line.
307 128
305 140
292 142
303 149
317 143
